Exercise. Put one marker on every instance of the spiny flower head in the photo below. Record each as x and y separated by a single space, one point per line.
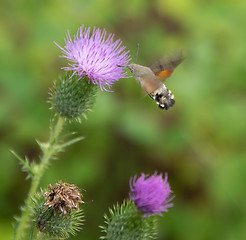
151 195
96 56
125 223
72 98
54 219
63 198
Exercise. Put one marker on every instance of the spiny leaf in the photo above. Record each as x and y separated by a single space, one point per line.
24 163
43 146
68 143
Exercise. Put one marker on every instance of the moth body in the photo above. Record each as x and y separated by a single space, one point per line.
155 88
150 78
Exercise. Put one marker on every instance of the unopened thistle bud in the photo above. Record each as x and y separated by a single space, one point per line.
56 212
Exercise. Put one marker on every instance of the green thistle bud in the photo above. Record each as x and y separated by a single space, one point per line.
72 96
125 223
59 215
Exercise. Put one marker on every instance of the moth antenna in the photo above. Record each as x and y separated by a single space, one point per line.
137 53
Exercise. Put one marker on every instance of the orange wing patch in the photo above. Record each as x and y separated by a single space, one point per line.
164 74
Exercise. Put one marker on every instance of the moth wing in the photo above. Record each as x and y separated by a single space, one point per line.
164 67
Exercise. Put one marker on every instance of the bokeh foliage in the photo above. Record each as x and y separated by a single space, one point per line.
200 141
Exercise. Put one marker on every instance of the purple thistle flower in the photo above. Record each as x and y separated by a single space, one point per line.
151 195
95 56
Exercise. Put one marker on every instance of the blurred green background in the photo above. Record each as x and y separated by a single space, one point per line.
200 142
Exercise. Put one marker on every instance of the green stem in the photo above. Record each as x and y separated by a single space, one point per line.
47 155
39 236
31 231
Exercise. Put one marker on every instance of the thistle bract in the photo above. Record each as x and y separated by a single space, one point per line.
71 98
151 195
125 223
96 56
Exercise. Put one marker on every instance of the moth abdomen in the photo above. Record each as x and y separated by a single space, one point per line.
164 99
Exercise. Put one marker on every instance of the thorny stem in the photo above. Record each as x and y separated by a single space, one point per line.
41 167
31 231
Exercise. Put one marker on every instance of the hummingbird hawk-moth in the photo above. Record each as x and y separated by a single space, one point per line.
150 78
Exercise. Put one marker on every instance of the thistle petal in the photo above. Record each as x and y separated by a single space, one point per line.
151 195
